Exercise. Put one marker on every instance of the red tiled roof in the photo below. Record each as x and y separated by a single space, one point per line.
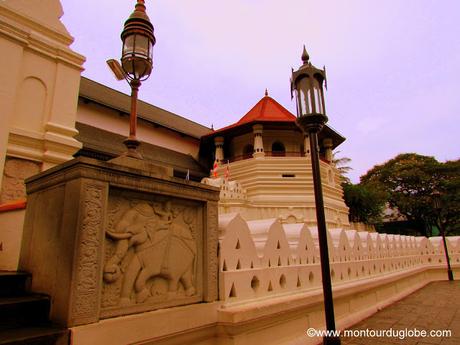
266 110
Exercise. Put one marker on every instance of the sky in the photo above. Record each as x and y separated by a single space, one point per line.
393 66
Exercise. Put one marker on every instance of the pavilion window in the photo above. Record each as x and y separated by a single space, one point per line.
248 151
278 149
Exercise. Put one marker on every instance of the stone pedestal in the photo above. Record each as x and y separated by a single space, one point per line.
104 239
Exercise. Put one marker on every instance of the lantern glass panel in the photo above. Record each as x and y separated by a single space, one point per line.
128 46
136 58
317 96
318 101
303 89
297 103
142 46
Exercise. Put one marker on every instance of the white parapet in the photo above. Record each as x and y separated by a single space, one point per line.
264 258
270 289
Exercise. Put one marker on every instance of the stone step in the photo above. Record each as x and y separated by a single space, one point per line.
51 335
22 311
13 283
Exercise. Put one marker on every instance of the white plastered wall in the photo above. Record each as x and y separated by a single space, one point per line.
39 85
39 82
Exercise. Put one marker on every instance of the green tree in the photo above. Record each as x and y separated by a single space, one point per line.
365 202
448 185
410 180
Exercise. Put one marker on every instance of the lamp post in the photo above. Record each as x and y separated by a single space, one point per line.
437 206
136 65
307 83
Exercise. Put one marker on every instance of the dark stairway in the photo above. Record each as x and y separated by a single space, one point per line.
24 315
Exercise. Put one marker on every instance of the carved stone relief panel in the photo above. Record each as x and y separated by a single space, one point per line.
153 252
87 267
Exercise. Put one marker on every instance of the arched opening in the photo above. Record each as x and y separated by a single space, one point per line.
278 149
248 150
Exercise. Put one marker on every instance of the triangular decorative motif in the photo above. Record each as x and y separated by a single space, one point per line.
270 287
232 291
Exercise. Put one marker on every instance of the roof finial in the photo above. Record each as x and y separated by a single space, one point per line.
212 126
305 56
266 92
140 5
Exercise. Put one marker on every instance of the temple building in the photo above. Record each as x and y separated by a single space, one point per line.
264 168
210 239
263 160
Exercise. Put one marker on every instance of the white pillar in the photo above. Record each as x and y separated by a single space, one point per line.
258 141
327 143
219 143
39 84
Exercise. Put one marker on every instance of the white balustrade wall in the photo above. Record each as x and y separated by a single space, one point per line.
264 258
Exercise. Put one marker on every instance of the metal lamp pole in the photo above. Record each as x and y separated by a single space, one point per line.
131 142
437 206
136 65
307 82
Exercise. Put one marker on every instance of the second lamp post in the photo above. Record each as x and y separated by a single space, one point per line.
307 83
438 207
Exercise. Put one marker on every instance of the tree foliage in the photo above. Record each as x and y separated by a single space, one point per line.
448 184
365 202
410 179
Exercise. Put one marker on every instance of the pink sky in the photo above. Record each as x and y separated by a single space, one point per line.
393 66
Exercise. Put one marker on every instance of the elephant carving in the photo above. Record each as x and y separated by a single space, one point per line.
162 246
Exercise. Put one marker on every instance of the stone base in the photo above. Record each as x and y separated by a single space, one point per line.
105 239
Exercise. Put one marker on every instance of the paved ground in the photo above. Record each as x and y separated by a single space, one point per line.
434 307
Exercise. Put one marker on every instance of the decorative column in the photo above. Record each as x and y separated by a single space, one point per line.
219 154
258 141
327 143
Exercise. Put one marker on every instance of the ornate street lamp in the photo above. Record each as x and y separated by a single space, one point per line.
436 197
307 83
136 64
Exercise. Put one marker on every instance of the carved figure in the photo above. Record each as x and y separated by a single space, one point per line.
161 248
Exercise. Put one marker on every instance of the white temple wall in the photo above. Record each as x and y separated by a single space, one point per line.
282 187
271 291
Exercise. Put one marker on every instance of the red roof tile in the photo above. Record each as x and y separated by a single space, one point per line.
266 110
